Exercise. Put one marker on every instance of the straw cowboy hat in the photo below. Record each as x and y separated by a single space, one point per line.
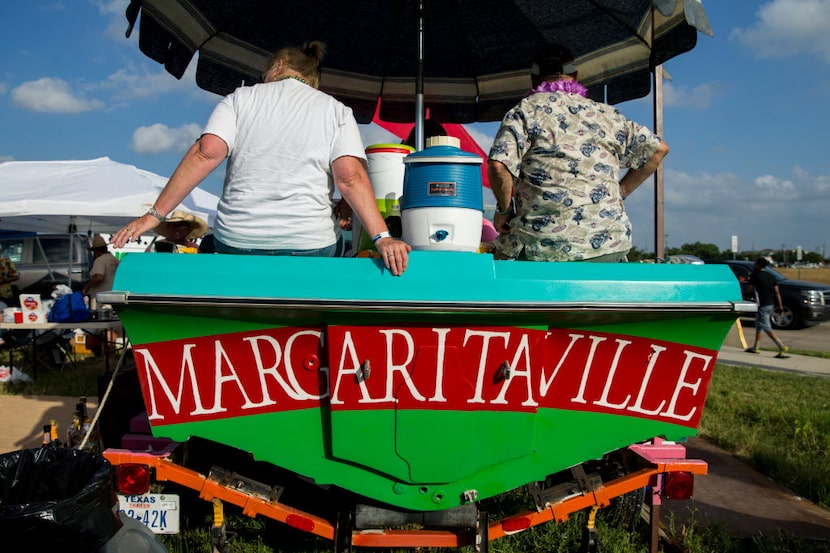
97 242
198 226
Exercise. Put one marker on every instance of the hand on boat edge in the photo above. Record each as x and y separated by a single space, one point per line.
133 230
395 254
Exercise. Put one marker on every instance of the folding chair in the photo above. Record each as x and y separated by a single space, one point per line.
53 350
17 340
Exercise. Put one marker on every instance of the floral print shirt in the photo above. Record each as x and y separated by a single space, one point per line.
7 271
566 152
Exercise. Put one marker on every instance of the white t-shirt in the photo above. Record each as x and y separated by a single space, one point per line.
282 138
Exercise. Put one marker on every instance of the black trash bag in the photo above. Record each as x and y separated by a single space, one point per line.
57 499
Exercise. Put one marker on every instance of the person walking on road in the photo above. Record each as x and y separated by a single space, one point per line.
767 295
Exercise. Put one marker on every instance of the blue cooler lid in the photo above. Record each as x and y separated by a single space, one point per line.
442 154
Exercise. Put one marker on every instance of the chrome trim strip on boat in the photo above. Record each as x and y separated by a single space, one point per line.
126 298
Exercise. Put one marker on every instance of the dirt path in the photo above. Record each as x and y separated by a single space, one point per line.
744 502
22 418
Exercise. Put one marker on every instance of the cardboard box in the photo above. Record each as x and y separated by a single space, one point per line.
79 343
32 306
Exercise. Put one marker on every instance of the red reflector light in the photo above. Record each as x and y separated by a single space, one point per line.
513 525
678 485
133 479
300 523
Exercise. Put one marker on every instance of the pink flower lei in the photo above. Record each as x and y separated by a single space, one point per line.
569 87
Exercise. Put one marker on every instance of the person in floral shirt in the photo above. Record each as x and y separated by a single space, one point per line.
8 275
555 170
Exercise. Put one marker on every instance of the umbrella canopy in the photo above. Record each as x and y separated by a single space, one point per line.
98 195
474 55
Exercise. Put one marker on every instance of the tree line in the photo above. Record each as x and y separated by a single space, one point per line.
711 251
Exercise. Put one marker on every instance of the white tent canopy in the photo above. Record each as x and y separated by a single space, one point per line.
87 196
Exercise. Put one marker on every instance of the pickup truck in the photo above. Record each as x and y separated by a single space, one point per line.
45 260
805 303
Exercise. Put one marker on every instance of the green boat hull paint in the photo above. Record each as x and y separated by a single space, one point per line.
563 439
413 456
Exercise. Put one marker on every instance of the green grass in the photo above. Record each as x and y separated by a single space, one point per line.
78 380
779 423
821 354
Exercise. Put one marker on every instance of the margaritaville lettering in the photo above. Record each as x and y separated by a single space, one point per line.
447 368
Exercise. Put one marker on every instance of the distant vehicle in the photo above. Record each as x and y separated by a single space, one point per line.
805 303
684 258
45 260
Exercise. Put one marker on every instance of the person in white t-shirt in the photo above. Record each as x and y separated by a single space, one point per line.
288 145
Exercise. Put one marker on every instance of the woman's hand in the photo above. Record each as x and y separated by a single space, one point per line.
133 230
395 254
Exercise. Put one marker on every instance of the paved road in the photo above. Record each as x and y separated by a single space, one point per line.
813 338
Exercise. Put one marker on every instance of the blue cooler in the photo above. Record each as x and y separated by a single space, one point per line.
442 203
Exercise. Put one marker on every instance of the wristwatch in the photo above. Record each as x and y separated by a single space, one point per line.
511 208
155 213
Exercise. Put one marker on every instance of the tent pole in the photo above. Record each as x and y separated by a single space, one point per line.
39 245
73 228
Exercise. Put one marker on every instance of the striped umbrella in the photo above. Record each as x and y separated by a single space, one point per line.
464 60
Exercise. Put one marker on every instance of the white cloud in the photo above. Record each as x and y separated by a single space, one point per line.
787 28
138 82
160 138
54 95
813 184
483 139
764 212
51 95
774 185
114 11
699 97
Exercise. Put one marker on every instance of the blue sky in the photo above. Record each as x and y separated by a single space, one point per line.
746 114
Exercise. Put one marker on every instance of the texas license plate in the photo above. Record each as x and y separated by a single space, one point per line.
159 512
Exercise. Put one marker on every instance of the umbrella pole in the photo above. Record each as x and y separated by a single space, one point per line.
659 224
419 82
659 200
